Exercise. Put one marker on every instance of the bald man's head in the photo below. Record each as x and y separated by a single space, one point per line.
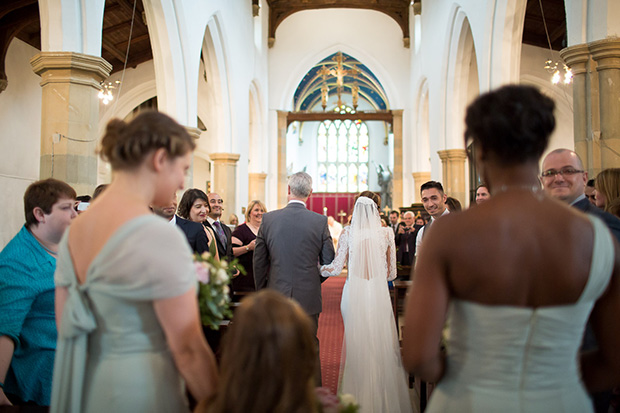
563 176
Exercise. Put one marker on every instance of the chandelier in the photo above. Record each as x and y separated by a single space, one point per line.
105 93
554 67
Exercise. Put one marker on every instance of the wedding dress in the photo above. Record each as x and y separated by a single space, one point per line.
373 370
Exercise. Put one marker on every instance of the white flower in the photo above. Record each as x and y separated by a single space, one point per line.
226 289
347 399
222 276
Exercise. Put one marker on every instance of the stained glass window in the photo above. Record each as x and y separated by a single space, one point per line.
342 155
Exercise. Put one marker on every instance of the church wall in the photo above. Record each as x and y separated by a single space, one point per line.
20 136
307 37
533 73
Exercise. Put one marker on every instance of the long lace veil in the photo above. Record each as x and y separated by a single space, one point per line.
371 344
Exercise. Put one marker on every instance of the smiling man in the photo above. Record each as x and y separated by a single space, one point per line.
564 178
434 201
222 232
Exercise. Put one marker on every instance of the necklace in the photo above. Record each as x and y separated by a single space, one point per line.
534 189
49 251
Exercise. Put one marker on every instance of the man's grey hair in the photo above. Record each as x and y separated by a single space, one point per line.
300 184
409 213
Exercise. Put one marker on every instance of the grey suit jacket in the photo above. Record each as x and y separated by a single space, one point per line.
290 244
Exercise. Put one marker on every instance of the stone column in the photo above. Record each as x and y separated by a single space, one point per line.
224 180
418 179
606 53
256 186
189 178
282 187
70 116
578 59
397 175
453 167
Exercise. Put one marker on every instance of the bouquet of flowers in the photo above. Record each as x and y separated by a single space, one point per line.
329 403
213 291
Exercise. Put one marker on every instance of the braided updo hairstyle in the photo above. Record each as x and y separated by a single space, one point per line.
512 124
125 145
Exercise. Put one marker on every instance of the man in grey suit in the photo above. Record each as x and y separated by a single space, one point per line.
290 244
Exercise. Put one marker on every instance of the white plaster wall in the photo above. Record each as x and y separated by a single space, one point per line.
20 136
533 73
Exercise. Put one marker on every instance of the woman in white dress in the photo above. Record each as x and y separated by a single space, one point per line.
517 297
373 370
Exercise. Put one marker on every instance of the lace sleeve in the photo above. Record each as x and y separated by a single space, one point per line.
335 268
391 255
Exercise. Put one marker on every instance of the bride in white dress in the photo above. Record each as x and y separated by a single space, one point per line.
373 370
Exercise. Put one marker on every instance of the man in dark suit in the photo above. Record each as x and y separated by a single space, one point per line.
405 240
290 244
223 234
194 232
564 178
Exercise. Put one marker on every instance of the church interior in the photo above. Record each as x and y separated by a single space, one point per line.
360 94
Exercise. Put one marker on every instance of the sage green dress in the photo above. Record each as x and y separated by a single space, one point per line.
112 354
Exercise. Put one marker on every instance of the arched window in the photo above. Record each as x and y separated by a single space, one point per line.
342 155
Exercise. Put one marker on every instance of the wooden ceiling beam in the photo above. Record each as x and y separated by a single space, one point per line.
128 8
8 6
111 48
382 116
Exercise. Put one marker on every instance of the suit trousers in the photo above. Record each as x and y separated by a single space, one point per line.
315 327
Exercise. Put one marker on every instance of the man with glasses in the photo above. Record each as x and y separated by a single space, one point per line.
563 177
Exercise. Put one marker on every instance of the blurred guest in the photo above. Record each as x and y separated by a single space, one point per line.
129 333
98 191
482 194
244 242
268 359
453 204
223 234
608 191
517 297
194 207
590 191
419 220
27 264
394 215
335 229
405 240
233 221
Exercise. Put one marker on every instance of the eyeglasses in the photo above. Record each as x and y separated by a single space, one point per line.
551 173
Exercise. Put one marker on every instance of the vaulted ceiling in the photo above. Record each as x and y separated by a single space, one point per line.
20 18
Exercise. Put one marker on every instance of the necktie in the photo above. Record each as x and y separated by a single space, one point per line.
426 227
220 232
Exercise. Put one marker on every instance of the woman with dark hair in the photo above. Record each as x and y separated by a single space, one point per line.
129 334
268 361
244 242
516 297
373 371
194 206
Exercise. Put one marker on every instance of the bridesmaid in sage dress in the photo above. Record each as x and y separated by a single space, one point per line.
244 240
517 297
129 334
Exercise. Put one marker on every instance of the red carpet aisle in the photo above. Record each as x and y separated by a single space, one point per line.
331 331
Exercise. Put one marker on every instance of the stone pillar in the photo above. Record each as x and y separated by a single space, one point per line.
453 167
397 175
606 53
578 59
189 178
282 187
256 186
70 116
418 179
224 180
